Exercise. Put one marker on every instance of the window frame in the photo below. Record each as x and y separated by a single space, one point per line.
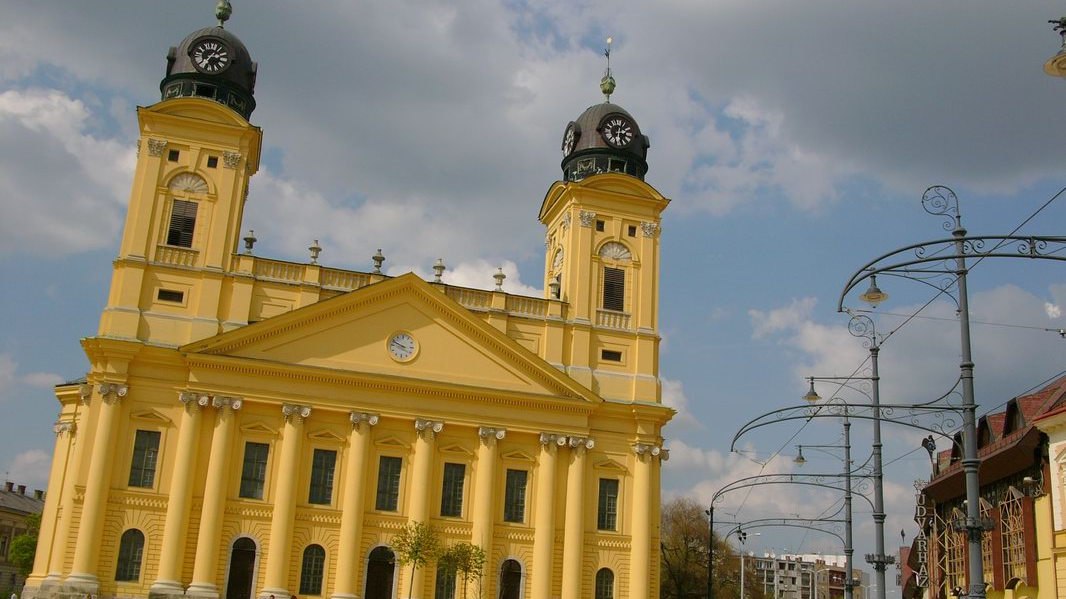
329 476
244 474
445 585
396 493
617 287
143 468
523 498
130 559
454 495
607 514
308 579
604 587
171 230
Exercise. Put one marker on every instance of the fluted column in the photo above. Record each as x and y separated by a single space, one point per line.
544 521
87 550
175 527
279 548
46 545
420 489
209 536
574 536
348 561
484 486
640 546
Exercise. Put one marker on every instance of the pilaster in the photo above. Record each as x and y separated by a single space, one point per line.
484 487
422 469
544 531
574 525
640 566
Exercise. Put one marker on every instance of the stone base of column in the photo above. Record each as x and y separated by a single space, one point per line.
343 596
164 589
202 590
277 592
81 583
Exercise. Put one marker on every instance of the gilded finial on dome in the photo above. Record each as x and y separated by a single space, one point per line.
223 11
607 84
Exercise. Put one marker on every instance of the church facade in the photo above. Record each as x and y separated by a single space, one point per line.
251 427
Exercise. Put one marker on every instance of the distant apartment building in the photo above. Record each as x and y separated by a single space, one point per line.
807 576
15 506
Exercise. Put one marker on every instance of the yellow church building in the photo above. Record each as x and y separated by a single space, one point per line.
251 427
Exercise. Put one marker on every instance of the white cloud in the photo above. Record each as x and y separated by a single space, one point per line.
62 189
674 397
30 468
11 378
797 312
1053 311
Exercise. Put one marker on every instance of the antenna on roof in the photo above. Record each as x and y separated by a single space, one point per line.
223 11
607 84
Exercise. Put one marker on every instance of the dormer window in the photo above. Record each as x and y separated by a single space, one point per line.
182 223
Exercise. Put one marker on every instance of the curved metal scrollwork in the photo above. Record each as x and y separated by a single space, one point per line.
810 480
939 200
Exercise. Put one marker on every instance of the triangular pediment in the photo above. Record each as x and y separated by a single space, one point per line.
326 435
610 464
392 442
258 427
350 333
456 449
520 456
151 416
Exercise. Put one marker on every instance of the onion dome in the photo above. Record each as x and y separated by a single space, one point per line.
604 139
213 64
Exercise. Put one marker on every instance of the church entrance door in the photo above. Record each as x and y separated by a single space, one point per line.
241 569
380 570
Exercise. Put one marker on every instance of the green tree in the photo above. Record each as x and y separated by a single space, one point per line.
24 547
417 544
468 561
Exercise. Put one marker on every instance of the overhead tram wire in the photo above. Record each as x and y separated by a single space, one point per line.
946 319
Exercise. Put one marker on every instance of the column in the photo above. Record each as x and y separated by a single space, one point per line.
352 509
574 525
484 485
86 551
58 559
175 527
544 521
64 430
279 547
419 491
640 545
209 537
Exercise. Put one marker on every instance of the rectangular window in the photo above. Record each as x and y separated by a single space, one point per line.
614 289
445 587
145 454
599 225
388 483
451 494
172 155
182 224
514 500
607 515
253 474
212 162
323 464
611 355
168 295
632 230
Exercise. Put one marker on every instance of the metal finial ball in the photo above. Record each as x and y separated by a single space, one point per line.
607 86
223 11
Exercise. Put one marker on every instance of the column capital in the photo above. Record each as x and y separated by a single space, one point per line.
645 451
194 400
359 418
428 429
227 401
551 441
580 444
112 392
85 392
295 413
65 427
489 435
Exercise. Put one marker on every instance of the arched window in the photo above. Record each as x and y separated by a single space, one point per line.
311 573
130 552
510 579
604 584
445 587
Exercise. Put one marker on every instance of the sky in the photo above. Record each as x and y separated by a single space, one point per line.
795 140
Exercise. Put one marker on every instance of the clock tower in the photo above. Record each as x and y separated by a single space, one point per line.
603 225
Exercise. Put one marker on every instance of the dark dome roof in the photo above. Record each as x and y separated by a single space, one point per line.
592 143
233 84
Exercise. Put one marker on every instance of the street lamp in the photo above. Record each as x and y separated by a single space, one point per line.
947 257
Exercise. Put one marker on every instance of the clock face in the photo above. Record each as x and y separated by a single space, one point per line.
568 141
402 346
210 56
618 131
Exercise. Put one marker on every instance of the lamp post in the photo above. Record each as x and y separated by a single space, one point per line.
848 547
932 260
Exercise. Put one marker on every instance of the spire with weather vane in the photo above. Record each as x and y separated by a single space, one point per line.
607 84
